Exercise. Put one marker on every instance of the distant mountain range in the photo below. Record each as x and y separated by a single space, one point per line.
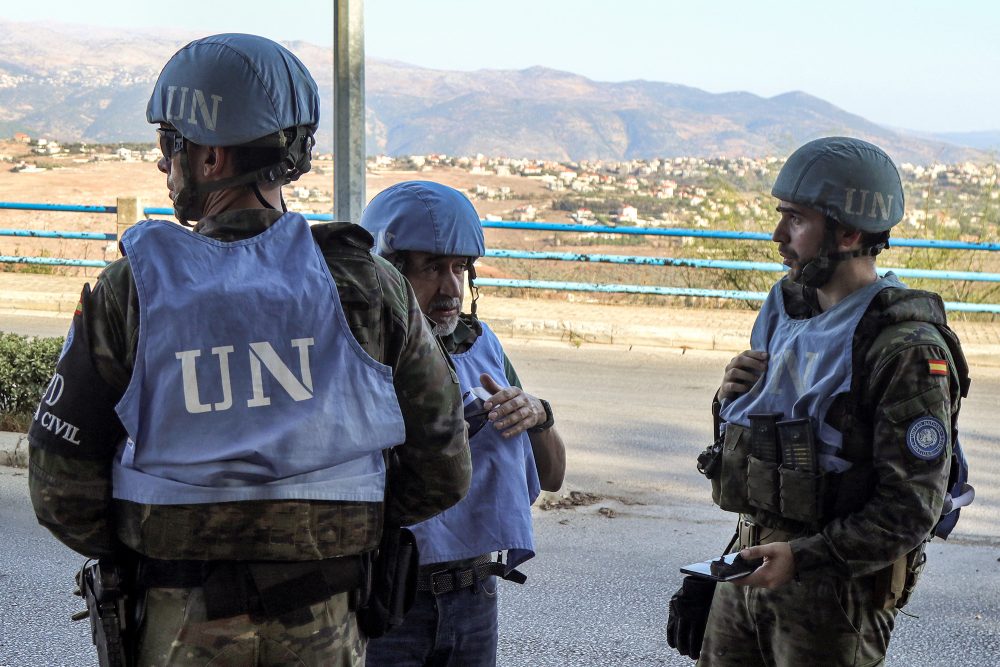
76 83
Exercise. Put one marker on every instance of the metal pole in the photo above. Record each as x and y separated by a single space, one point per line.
348 109
129 212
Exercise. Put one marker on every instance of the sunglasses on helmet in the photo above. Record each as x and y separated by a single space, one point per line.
171 141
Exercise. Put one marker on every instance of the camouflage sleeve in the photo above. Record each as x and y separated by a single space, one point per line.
508 369
434 465
911 400
73 439
72 499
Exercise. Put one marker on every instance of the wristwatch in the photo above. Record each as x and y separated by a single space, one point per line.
549 421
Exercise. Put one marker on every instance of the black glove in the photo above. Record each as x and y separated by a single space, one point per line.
688 615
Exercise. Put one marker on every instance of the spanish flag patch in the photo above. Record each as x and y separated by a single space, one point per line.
937 366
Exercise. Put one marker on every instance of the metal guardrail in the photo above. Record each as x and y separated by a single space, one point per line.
71 208
725 264
558 256
714 234
684 291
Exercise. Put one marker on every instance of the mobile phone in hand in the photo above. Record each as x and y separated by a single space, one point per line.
725 568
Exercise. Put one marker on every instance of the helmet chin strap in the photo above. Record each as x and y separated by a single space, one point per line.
473 290
187 203
263 202
188 200
818 271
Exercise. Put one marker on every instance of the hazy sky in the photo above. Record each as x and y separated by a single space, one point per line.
920 65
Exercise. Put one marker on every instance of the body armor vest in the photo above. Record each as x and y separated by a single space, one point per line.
248 383
496 513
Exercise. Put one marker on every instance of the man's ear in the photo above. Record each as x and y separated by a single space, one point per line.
848 238
215 161
398 260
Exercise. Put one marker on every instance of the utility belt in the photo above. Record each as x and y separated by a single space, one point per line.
891 587
262 590
439 578
750 534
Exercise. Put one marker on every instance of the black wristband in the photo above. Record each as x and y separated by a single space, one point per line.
549 421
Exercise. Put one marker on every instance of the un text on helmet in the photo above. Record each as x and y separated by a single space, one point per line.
198 103
878 208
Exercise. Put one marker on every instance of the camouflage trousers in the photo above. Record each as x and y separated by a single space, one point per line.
174 632
828 621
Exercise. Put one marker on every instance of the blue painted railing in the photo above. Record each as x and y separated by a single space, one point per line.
558 256
69 208
714 234
723 264
683 291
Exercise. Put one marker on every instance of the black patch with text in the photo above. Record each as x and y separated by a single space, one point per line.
76 416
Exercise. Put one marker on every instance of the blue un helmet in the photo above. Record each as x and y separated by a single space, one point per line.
852 182
236 90
426 217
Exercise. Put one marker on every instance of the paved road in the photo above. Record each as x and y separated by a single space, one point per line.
35 324
596 594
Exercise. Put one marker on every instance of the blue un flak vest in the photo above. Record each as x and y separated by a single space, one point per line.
809 364
248 384
496 513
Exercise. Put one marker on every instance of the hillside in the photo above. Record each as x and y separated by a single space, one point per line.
80 83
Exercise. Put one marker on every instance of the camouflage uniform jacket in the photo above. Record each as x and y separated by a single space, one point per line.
70 484
888 503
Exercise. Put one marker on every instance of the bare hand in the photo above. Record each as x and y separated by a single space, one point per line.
511 410
778 568
742 373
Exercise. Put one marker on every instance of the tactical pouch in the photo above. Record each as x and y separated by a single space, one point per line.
800 494
762 466
729 488
763 484
915 562
392 573
801 484
894 585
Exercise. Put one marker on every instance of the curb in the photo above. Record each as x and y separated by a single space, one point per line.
13 449
576 333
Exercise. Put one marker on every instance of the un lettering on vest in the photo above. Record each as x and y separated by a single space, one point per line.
878 206
801 374
261 355
198 103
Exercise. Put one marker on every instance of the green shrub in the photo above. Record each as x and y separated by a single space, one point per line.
26 366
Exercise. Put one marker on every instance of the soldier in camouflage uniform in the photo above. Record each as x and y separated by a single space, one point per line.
244 478
838 432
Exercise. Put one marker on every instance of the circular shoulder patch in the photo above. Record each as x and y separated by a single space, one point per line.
926 438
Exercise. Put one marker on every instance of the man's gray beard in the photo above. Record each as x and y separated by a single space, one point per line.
445 329
443 303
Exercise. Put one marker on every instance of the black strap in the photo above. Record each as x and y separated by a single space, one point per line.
448 580
263 590
736 536
155 573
